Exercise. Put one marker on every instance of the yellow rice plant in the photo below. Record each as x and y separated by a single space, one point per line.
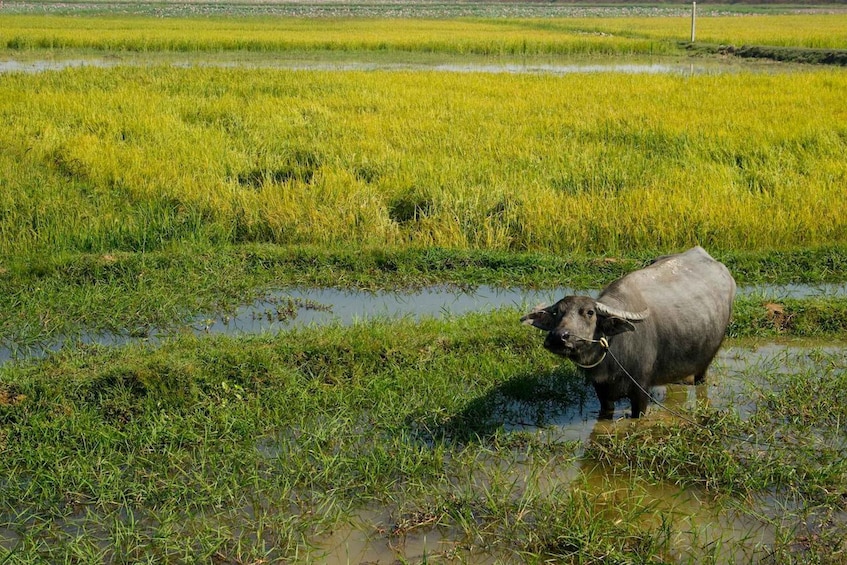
502 36
827 31
138 34
135 158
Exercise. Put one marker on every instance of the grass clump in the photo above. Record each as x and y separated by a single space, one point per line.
811 317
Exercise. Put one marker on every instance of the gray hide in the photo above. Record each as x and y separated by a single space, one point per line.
662 324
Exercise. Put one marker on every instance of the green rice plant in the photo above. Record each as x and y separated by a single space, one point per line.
134 159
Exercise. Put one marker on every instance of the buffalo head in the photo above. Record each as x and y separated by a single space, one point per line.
575 325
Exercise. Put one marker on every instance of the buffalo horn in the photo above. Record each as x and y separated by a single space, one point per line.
631 316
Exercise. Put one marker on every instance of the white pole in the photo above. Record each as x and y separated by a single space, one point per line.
693 19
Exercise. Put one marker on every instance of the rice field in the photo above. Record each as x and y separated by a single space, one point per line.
270 35
787 30
136 158
486 36
179 173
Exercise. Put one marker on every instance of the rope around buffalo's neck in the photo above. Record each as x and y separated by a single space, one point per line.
604 343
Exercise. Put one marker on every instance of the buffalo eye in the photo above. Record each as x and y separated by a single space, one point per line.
590 313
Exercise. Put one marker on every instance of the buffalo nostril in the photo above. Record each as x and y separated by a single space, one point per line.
561 336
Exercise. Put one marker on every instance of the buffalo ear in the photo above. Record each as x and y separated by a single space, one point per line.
541 318
613 325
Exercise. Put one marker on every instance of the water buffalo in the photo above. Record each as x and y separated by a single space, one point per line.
660 324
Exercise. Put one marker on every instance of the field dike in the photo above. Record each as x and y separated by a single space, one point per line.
804 55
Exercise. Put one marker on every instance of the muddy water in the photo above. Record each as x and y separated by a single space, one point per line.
737 535
696 521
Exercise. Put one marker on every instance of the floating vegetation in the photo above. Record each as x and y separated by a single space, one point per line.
286 309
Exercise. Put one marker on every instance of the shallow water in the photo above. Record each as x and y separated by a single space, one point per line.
741 541
700 67
318 306
300 307
350 306
697 520
30 67
730 381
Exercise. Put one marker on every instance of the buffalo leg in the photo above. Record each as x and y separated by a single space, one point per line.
700 378
639 401
607 405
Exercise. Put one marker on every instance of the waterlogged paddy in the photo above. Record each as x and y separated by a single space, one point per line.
454 496
737 534
742 531
608 65
302 307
